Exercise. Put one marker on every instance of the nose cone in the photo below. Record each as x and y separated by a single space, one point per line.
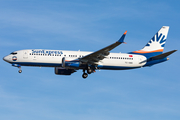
6 58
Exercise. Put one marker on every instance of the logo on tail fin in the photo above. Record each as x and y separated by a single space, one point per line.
157 43
157 39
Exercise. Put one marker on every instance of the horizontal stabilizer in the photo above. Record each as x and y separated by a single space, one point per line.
162 55
158 57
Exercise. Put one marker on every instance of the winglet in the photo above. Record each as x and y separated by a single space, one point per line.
121 40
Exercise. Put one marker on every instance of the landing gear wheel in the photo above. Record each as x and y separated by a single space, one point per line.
20 71
85 75
89 71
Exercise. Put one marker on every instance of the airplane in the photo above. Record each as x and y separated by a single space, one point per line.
68 62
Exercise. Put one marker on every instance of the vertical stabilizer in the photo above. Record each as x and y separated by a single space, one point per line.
157 43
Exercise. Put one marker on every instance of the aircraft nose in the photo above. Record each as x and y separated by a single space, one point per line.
5 58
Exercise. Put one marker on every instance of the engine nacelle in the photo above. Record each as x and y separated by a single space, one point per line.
70 64
63 71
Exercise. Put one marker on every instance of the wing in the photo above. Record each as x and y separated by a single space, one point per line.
94 57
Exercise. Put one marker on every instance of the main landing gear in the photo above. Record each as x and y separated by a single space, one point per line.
85 75
89 71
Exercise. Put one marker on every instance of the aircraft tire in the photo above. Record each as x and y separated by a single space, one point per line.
20 71
85 75
89 71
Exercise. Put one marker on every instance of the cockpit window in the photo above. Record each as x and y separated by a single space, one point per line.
14 53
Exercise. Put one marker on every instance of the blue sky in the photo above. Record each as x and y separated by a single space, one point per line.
147 93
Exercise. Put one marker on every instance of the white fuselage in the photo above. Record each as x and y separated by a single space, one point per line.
53 58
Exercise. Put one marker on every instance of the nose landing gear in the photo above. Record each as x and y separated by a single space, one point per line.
19 66
20 71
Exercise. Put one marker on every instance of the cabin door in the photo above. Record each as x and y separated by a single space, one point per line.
25 55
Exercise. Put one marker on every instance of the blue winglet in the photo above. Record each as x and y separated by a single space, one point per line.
121 40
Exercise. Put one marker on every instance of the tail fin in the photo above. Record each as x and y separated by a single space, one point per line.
157 43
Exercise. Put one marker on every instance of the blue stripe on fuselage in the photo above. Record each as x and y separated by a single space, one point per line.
38 64
115 67
153 62
59 65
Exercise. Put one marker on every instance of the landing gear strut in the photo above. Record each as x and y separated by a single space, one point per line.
20 71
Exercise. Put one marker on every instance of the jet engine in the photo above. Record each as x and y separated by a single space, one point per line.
63 71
